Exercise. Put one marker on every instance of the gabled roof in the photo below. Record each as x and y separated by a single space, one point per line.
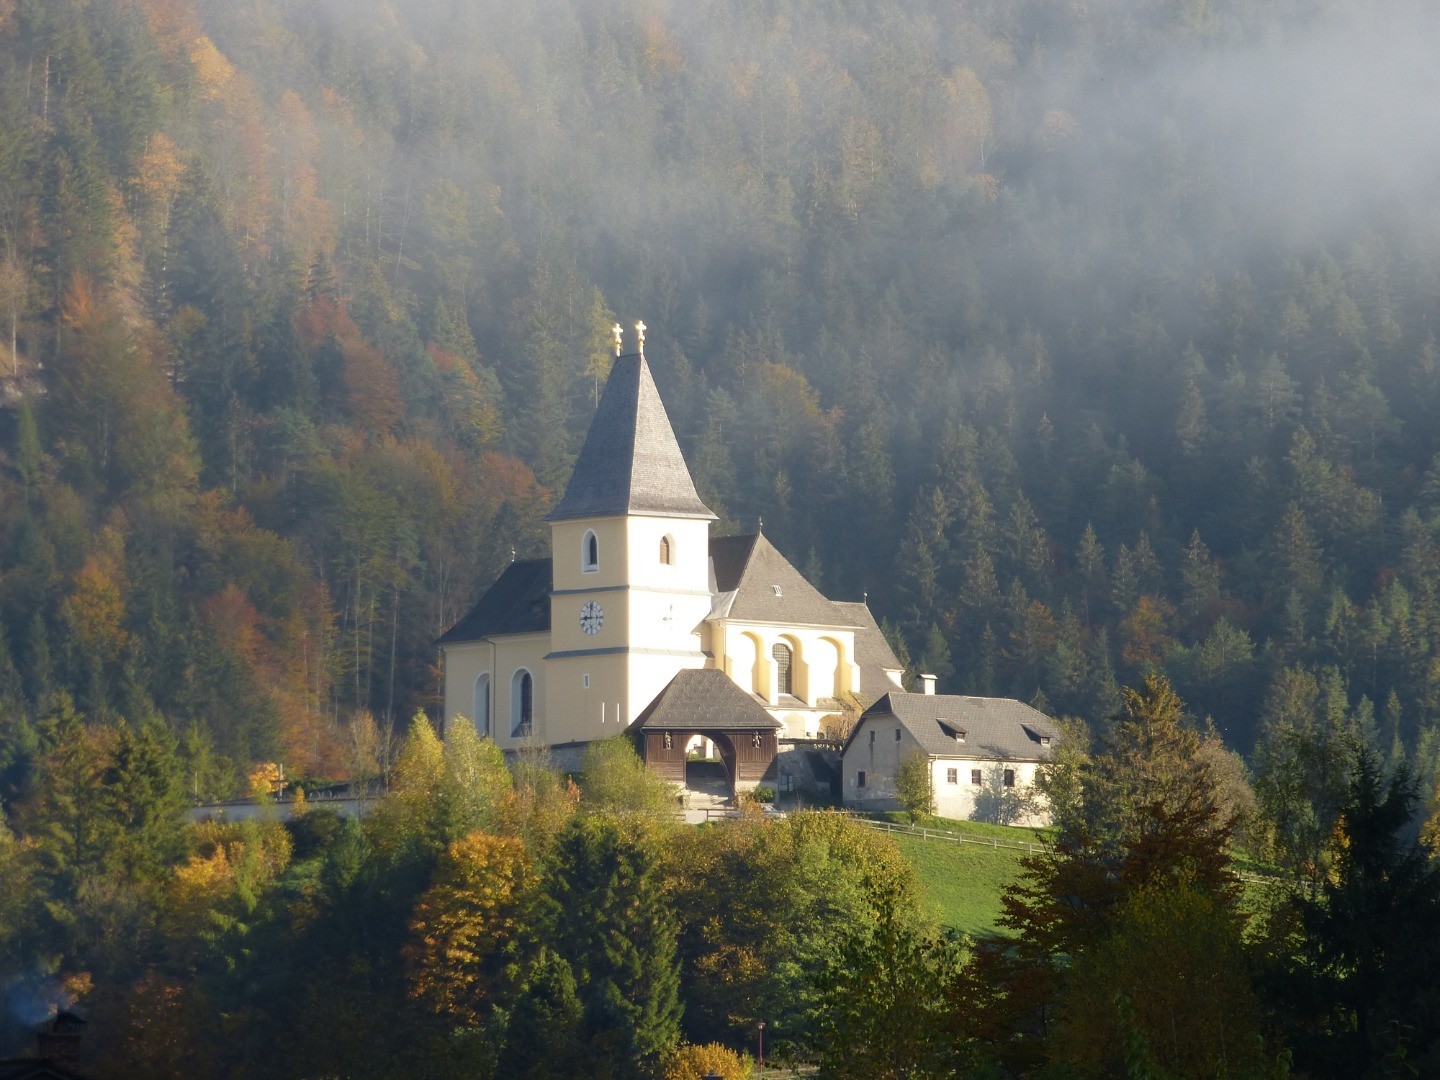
630 463
704 699
755 583
1000 729
518 603
35 1069
872 652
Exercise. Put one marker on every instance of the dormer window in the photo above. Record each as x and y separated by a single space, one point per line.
1044 740
958 734
590 552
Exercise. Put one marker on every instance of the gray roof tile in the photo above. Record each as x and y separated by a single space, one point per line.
752 569
630 463
704 698
518 603
1001 729
872 651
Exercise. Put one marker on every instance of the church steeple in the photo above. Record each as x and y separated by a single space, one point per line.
631 463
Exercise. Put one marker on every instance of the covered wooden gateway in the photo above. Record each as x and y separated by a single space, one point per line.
707 703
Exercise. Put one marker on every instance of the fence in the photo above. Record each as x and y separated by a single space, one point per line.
955 838
1247 876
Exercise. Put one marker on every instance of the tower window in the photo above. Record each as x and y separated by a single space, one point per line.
590 552
667 551
781 653
522 703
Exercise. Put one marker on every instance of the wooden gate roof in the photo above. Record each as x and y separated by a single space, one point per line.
704 699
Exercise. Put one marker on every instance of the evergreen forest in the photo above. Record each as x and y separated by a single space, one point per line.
1092 343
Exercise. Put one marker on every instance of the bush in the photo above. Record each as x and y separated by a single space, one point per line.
696 1062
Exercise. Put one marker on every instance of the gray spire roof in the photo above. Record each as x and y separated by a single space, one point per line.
630 463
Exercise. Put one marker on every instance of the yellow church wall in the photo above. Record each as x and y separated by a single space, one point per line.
581 713
464 664
500 658
822 660
521 651
566 546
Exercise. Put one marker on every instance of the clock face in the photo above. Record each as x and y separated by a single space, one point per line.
592 617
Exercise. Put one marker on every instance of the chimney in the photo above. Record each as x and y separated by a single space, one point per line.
927 684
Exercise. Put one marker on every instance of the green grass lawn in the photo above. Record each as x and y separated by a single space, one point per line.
961 883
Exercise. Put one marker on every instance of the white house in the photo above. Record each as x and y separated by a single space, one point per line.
982 754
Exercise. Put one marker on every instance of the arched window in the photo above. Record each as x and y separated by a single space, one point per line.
781 653
522 703
590 552
667 551
480 705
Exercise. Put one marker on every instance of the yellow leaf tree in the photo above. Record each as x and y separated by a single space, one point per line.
463 922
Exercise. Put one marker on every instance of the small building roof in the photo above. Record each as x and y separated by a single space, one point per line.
518 603
704 699
631 462
1001 729
755 583
35 1069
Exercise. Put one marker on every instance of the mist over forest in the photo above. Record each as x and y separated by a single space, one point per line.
1091 342
1086 340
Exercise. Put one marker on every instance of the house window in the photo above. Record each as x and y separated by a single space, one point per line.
587 681
590 552
480 705
667 551
781 653
897 734
975 777
952 776
872 738
860 778
522 703
1009 777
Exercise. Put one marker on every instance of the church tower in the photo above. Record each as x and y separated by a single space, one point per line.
630 556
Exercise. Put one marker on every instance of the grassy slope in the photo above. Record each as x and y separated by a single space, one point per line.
962 882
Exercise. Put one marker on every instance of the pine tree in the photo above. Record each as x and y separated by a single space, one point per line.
608 918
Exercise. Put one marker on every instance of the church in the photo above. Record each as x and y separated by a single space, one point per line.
642 622
641 618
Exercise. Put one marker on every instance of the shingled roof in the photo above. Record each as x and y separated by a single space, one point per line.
518 603
630 463
1001 729
704 699
872 652
755 583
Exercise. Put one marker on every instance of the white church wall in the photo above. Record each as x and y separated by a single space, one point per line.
823 661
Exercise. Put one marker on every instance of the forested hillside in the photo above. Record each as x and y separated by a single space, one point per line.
1088 340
